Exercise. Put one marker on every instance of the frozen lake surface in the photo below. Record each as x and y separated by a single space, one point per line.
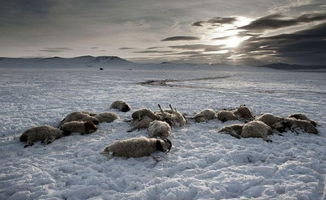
202 164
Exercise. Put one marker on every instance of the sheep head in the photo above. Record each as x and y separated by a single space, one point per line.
163 145
90 127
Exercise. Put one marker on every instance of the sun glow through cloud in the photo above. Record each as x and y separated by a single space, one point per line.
234 41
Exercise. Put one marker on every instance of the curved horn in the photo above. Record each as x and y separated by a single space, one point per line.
162 111
171 108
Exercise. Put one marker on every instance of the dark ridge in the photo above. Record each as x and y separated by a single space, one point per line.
286 66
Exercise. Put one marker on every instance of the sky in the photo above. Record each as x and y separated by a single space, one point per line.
208 31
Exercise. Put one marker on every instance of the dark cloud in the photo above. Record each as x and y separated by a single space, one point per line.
221 38
154 47
154 51
126 48
180 38
216 21
304 47
185 53
275 21
56 49
203 47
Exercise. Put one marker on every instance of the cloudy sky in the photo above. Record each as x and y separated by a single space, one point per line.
206 31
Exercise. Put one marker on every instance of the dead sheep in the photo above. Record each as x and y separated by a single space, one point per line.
269 119
142 118
294 125
234 130
140 124
173 117
226 115
80 116
137 147
302 117
256 129
107 117
82 127
121 106
251 129
241 113
139 114
45 134
159 129
205 115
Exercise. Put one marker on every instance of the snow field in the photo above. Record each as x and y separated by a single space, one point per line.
202 164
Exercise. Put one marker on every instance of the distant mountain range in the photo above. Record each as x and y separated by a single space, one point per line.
286 66
114 61
86 61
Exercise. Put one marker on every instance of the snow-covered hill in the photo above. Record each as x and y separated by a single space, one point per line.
59 62
202 164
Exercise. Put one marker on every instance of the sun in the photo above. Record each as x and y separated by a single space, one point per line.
232 42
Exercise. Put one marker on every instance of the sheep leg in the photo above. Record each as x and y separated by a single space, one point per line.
49 140
234 135
29 143
295 130
132 129
267 139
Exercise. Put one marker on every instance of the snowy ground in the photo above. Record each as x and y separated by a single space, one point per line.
202 164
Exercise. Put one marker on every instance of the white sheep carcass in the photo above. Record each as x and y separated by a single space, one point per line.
80 116
251 129
269 119
205 115
143 123
303 117
173 117
121 106
256 129
45 134
107 117
137 147
226 115
294 125
241 113
82 127
233 130
139 114
159 129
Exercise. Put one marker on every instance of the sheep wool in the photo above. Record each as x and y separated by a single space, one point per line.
79 116
141 124
243 113
226 115
159 129
107 117
137 147
269 119
205 115
121 106
302 117
78 126
139 114
256 129
45 134
234 130
304 125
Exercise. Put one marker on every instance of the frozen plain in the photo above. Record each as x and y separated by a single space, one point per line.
202 164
